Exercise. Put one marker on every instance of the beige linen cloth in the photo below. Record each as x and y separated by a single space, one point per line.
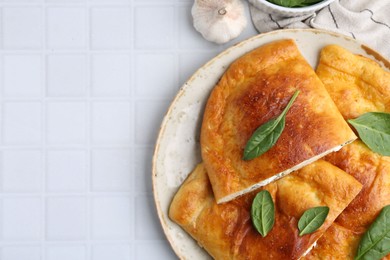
368 21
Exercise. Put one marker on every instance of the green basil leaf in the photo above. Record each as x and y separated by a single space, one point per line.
286 3
264 138
267 134
294 3
263 212
312 219
375 243
374 130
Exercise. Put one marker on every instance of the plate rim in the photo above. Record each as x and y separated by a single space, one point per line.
366 48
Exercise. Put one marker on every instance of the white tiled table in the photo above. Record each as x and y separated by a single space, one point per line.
83 89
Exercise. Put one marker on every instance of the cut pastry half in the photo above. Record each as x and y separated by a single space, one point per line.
226 231
255 89
357 85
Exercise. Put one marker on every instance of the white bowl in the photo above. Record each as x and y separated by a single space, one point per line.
288 11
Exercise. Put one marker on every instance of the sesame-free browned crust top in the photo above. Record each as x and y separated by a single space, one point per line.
341 240
253 90
226 231
357 85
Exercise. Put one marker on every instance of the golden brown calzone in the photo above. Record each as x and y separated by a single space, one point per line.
357 85
253 90
226 231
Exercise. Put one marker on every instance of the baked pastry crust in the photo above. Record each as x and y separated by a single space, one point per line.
226 231
253 90
357 85
341 240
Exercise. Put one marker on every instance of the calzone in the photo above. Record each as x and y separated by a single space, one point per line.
357 85
253 90
226 230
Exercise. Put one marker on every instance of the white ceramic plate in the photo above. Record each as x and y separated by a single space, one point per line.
178 151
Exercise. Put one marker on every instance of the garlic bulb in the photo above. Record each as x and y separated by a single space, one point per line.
219 20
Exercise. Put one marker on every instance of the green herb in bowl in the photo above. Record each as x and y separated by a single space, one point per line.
294 3
290 8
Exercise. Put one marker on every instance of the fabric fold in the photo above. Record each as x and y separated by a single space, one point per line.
365 21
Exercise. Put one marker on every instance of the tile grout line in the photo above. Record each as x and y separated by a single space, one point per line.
78 242
44 130
164 50
142 97
133 105
61 194
1 131
88 32
72 147
1 124
177 46
132 75
1 150
1 28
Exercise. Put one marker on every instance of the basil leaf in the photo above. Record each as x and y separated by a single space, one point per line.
294 3
263 212
264 138
267 134
375 243
286 3
374 130
312 219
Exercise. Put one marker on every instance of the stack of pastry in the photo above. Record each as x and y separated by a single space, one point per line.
317 160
